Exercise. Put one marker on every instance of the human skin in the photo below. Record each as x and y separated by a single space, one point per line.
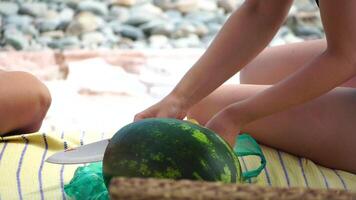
304 112
229 52
24 102
325 72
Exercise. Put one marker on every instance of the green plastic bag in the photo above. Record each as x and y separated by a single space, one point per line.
88 182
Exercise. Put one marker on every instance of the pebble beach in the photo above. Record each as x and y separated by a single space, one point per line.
134 24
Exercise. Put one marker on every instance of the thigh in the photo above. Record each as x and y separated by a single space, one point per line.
275 63
322 130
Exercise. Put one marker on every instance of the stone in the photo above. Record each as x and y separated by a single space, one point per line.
149 26
164 4
200 28
207 40
124 2
35 46
184 29
227 5
173 15
93 38
192 41
34 9
167 29
26 29
143 13
306 5
96 7
66 42
130 32
84 22
307 31
16 40
45 40
45 25
283 31
147 8
207 5
8 8
203 16
73 4
214 28
66 15
18 20
158 41
119 13
110 35
186 6
53 34
138 19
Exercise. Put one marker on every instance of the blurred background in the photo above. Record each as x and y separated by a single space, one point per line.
104 61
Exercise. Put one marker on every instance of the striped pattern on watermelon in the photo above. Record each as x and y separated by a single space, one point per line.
170 148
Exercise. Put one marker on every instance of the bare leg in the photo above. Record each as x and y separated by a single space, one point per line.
276 63
24 102
321 130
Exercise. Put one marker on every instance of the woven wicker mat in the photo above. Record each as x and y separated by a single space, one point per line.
149 189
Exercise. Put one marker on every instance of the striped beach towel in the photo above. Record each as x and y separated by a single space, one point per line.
26 175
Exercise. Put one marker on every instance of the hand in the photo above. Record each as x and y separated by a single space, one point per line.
224 124
169 107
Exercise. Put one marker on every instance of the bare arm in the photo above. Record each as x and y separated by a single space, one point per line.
245 34
335 66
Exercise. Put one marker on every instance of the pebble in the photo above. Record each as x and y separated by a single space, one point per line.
45 25
119 13
97 7
227 5
84 22
16 40
159 42
127 3
8 8
66 42
62 24
93 38
35 9
131 32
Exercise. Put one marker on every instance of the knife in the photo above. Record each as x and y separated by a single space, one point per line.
93 152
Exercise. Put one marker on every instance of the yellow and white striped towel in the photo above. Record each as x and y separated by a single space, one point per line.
26 175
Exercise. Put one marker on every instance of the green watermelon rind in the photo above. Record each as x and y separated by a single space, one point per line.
162 143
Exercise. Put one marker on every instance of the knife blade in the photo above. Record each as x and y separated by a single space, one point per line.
93 152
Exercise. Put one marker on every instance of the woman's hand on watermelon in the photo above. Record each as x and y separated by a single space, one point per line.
169 107
226 125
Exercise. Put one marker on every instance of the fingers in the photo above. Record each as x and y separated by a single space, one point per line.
138 117
163 109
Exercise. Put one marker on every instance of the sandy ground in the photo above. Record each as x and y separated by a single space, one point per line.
97 95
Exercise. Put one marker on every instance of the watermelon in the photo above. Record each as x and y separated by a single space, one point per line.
170 149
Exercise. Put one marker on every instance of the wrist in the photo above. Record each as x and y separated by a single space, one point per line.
179 100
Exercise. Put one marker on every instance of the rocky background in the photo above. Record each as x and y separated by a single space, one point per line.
133 24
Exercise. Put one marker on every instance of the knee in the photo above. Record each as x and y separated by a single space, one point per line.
42 100
39 100
200 111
